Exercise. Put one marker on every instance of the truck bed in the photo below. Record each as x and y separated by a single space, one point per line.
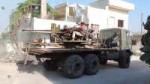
39 51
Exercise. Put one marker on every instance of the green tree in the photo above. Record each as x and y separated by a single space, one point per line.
146 43
24 8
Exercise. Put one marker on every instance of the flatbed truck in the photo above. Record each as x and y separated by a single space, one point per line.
76 58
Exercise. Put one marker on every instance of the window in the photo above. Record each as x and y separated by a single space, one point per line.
120 23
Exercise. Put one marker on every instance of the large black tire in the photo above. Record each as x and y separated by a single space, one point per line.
74 66
50 65
91 64
124 59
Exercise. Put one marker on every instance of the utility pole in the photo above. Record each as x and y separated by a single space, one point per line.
66 11
3 8
141 23
141 27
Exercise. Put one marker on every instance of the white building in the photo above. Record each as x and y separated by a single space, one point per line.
105 13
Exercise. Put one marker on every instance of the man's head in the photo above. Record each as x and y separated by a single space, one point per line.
92 25
82 23
83 26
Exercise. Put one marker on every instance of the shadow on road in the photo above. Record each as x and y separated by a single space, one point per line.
138 73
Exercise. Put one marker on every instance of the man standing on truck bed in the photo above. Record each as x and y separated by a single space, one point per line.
81 31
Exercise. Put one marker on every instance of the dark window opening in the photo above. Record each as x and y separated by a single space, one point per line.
120 23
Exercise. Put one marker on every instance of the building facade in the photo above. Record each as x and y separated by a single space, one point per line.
102 13
105 13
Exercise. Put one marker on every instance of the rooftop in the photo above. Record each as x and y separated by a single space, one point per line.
117 4
121 4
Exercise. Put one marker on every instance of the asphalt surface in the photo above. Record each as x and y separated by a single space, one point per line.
138 73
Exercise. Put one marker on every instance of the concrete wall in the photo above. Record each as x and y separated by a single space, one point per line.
136 48
24 37
97 16
45 24
40 35
38 24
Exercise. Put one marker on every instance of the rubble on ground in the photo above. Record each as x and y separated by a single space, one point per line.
9 52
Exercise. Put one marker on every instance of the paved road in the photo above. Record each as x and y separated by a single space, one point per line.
138 73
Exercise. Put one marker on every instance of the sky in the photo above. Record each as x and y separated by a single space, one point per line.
141 6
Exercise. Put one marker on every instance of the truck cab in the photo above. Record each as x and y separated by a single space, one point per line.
123 37
120 39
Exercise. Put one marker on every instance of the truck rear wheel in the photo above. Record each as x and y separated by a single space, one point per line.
74 66
91 64
124 60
